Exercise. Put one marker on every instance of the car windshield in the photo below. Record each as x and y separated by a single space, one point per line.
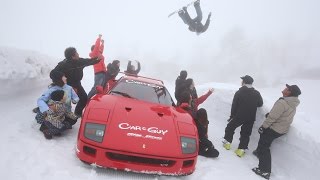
142 91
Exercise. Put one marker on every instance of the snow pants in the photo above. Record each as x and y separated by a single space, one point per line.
99 80
245 133
263 150
186 17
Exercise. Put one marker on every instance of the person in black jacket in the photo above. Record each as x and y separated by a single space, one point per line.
179 84
113 70
243 113
195 24
131 70
206 148
72 66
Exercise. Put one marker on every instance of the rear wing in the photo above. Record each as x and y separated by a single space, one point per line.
134 75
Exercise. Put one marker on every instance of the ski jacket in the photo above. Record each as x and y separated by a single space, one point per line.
198 27
245 103
179 87
196 102
98 52
57 113
281 115
73 69
70 94
204 142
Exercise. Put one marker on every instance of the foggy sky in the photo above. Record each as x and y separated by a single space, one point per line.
245 31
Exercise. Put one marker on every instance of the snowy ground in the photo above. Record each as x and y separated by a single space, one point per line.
26 154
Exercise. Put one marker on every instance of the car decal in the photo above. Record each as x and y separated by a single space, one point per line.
142 136
154 130
143 83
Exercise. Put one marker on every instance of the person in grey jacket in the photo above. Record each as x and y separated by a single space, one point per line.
277 123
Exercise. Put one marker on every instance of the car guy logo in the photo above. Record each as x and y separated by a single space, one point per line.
154 130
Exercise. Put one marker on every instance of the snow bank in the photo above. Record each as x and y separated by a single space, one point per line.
22 69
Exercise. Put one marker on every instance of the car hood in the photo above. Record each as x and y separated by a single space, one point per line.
143 128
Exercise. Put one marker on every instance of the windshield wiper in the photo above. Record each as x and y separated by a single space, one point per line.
123 94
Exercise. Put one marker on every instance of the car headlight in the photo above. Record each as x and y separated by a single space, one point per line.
188 145
94 132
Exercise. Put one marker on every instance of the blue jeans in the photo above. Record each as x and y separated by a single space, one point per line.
99 80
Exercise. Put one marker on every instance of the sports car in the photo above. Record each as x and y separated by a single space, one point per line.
136 126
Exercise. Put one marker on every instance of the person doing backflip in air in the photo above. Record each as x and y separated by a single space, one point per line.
195 24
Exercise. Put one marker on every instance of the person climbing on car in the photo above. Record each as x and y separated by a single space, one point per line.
131 69
100 67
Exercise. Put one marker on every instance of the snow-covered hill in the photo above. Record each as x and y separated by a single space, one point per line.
26 154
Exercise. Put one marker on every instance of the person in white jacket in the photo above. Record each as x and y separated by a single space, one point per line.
277 123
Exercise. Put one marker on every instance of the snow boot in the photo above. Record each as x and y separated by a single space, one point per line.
226 144
239 152
47 134
259 172
36 110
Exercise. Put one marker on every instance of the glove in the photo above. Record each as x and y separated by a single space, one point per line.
230 119
261 130
266 115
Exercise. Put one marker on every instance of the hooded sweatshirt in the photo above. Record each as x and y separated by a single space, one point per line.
281 114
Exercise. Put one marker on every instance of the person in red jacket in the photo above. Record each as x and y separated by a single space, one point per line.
99 68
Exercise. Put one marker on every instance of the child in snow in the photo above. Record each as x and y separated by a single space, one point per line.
57 118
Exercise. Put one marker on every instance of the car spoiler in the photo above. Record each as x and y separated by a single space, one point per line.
134 75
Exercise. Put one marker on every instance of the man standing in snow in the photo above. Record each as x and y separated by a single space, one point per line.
195 24
72 67
277 123
243 113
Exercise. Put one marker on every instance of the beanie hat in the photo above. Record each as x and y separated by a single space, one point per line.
57 95
294 89
183 74
247 79
56 75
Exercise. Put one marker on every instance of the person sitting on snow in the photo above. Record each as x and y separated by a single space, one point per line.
58 118
195 24
131 70
58 83
206 147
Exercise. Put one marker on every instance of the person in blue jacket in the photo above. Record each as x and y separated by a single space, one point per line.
58 83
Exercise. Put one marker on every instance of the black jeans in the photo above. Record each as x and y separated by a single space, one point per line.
245 133
83 97
263 150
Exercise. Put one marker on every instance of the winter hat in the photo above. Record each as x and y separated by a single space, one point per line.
247 79
56 75
183 74
57 95
69 52
294 89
